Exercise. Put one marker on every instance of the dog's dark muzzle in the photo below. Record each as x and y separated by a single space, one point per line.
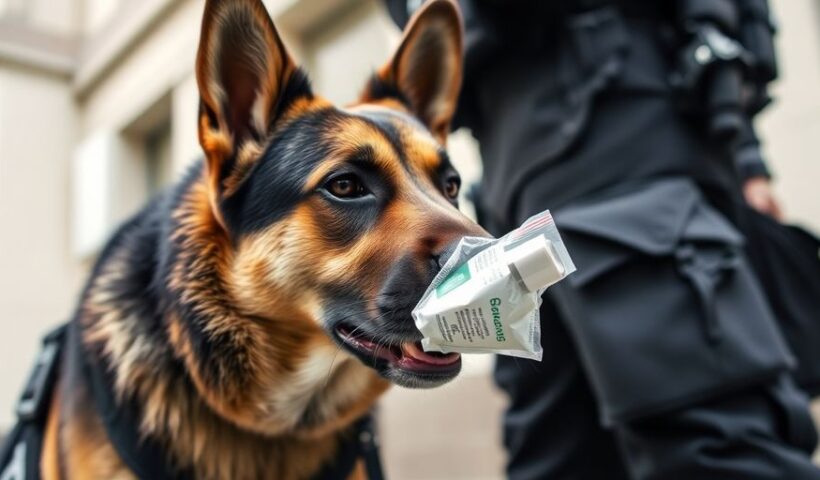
407 281
388 339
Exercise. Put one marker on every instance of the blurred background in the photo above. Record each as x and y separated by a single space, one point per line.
98 106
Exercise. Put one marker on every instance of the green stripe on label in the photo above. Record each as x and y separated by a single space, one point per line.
458 277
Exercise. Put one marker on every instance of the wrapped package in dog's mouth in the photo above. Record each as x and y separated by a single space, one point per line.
485 299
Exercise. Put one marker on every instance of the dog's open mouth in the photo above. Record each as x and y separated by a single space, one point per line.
408 356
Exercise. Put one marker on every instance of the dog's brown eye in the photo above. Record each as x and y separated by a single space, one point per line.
451 188
346 186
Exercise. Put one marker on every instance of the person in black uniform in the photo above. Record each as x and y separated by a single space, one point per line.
632 121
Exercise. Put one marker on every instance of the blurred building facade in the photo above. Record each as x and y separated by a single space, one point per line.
98 106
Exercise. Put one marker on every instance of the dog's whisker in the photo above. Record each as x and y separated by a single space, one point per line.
339 347
383 296
330 369
379 341
357 314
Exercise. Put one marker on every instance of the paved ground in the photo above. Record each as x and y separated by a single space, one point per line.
448 433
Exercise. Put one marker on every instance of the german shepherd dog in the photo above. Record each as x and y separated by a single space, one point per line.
258 308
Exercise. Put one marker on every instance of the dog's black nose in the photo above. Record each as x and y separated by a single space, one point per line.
441 257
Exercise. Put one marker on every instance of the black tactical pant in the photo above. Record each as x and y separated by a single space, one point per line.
661 359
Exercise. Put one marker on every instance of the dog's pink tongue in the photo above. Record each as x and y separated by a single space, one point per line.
414 351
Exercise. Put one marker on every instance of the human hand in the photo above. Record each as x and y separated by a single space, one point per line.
759 195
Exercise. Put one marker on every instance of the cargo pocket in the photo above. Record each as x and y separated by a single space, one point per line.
663 307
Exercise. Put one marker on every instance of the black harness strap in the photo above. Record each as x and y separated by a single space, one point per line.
362 443
20 454
369 443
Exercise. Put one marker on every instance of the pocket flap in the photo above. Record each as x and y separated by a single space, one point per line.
650 221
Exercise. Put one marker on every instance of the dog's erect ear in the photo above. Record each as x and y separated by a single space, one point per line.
243 71
425 71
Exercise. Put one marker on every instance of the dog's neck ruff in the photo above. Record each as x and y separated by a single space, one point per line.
146 457
149 460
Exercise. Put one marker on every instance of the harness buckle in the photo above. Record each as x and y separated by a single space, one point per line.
30 405
16 469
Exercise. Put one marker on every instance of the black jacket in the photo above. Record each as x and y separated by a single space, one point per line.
568 100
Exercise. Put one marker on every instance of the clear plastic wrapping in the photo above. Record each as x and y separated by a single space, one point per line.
486 297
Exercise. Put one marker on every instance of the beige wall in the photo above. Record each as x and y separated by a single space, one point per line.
39 279
96 14
337 74
55 16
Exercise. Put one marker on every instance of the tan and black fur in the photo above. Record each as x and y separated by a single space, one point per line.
237 309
